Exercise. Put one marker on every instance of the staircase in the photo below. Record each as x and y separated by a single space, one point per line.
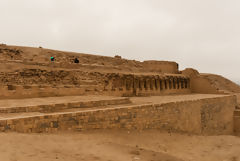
42 114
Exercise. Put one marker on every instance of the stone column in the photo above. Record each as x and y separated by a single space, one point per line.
135 86
157 84
166 84
181 80
128 84
120 88
161 84
152 83
170 83
147 84
141 84
178 83
174 83
183 83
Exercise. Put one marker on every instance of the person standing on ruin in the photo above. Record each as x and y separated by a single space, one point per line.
76 60
52 58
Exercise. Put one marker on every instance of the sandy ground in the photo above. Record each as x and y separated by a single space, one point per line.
150 145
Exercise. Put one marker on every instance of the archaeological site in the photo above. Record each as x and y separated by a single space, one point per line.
120 80
67 106
44 95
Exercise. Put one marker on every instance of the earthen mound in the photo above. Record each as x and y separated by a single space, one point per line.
222 84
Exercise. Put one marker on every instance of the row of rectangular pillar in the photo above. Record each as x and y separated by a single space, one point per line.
146 83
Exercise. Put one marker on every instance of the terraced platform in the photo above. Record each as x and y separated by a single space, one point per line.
180 113
54 104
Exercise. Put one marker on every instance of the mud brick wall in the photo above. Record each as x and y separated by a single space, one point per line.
62 106
46 77
27 83
13 54
34 91
237 121
161 66
30 83
144 85
205 116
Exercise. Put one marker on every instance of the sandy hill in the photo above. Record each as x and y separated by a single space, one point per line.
221 83
29 57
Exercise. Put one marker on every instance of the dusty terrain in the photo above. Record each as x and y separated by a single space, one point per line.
150 145
32 70
14 58
222 83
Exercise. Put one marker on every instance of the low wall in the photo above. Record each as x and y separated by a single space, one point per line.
18 91
161 66
205 116
199 84
54 107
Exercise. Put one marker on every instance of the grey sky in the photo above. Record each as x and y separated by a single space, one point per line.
203 34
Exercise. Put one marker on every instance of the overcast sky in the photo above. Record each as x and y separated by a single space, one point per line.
202 34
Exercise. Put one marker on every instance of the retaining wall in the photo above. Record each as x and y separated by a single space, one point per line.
204 116
19 91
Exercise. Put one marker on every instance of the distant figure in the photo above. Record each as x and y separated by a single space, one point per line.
52 58
76 60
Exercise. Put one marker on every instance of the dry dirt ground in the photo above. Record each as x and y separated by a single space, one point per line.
112 145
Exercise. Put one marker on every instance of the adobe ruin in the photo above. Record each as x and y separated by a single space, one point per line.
99 92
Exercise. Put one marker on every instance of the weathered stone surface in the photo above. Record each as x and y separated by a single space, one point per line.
204 116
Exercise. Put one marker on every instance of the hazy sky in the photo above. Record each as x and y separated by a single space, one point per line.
203 34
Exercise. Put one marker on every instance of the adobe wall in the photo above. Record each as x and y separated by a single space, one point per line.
199 84
43 83
30 83
205 116
19 92
50 107
49 77
236 119
161 66
146 85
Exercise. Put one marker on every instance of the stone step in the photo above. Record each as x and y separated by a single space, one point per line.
52 104
171 115
50 122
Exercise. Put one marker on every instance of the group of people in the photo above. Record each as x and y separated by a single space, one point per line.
75 60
